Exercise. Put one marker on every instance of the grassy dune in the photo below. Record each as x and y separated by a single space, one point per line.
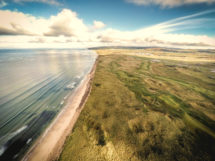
143 108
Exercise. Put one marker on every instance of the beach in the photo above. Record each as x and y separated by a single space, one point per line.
49 144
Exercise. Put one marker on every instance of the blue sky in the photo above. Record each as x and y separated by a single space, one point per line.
125 15
115 13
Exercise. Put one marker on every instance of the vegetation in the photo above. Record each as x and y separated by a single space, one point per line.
146 109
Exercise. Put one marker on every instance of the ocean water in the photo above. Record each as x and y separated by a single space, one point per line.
34 87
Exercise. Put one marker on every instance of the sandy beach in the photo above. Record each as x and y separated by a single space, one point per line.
49 145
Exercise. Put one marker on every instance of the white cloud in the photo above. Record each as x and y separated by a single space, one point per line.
67 23
2 4
50 2
66 29
161 34
169 3
18 23
98 25
66 26
37 40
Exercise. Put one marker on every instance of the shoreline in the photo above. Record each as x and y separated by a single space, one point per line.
49 145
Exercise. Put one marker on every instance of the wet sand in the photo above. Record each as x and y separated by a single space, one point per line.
49 146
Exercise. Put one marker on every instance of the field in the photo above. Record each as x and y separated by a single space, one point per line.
147 107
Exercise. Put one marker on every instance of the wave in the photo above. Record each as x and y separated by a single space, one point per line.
62 102
2 150
71 85
8 137
78 76
28 141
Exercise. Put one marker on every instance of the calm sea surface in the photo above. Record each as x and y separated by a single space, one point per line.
34 87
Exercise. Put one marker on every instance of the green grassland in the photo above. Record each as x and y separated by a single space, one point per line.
146 109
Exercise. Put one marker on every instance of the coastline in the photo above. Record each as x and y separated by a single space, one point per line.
49 145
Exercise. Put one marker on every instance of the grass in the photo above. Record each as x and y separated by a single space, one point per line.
142 109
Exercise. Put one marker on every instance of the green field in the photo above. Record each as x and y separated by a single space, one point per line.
146 109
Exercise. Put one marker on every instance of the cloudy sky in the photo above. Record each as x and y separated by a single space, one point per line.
88 23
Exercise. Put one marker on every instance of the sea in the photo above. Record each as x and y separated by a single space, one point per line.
35 85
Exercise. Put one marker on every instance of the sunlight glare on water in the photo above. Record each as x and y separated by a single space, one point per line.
34 86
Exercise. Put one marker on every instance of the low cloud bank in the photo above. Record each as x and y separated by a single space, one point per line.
66 29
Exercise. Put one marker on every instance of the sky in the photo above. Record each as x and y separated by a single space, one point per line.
92 23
